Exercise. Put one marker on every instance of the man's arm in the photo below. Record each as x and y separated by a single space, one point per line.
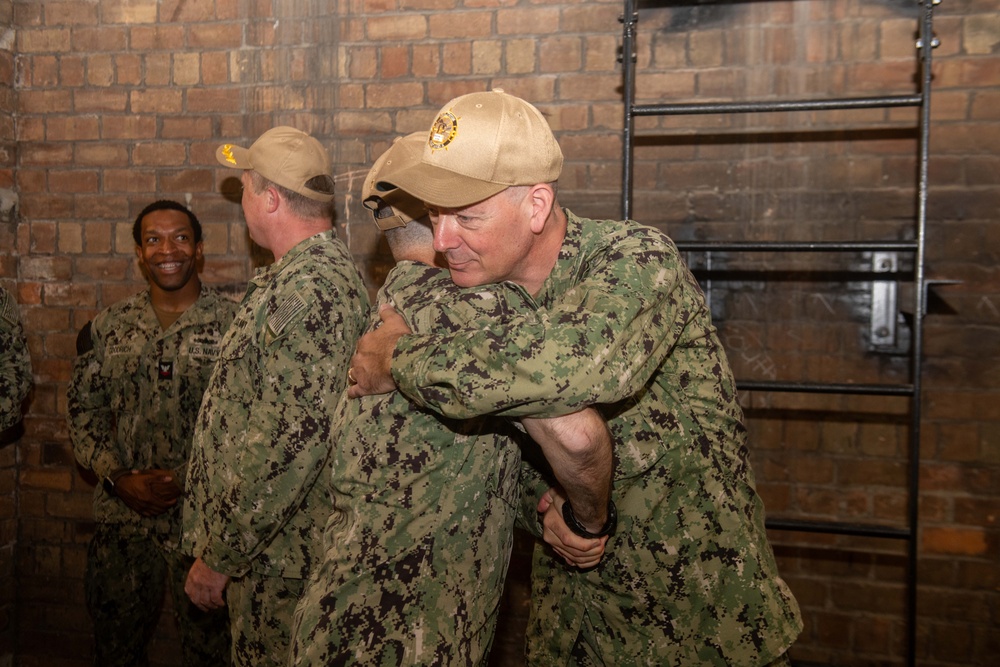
601 343
89 413
273 459
15 363
578 448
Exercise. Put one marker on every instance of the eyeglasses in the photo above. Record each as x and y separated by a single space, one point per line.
384 215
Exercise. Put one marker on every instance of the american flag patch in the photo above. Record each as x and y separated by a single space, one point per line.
285 313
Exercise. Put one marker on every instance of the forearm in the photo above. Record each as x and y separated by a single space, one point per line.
578 448
541 364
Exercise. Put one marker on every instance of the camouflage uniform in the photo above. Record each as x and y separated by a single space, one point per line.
133 403
418 546
15 364
253 509
689 577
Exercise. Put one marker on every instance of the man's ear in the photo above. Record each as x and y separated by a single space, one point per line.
273 199
540 197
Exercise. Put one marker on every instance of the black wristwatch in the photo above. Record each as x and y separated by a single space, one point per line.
109 482
578 528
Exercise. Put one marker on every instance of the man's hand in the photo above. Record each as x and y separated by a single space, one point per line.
205 586
148 492
575 550
579 448
371 366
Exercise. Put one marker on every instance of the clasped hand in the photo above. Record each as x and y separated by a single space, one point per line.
149 492
371 366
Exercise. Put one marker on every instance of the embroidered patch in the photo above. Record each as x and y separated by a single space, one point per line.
165 369
115 350
227 152
203 350
287 311
443 131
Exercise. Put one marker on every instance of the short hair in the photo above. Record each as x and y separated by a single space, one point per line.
161 205
299 204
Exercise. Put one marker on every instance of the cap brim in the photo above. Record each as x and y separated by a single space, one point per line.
234 157
441 187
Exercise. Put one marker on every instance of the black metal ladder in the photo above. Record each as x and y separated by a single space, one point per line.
915 248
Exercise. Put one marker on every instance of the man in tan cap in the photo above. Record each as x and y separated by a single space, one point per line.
616 322
257 498
418 545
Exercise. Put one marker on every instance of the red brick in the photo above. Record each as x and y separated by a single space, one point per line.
42 41
211 100
957 541
156 101
101 154
53 154
460 25
396 27
128 127
54 480
73 181
91 40
47 101
426 60
527 21
395 62
188 11
215 36
188 180
187 127
456 58
99 100
215 68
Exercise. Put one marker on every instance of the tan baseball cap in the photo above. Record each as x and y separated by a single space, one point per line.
286 156
479 145
390 206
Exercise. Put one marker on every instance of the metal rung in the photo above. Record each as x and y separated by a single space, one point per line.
779 105
827 388
806 246
838 528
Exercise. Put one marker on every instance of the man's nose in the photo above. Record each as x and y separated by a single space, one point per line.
445 237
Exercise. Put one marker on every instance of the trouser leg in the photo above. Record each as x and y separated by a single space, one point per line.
205 638
123 585
261 614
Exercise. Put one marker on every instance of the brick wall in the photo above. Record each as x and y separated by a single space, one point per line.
121 103
8 278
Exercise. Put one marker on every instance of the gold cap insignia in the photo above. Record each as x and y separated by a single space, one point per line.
443 131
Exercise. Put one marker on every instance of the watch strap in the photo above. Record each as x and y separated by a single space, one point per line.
579 529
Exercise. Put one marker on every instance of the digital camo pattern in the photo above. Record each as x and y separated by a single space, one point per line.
253 505
689 576
134 398
15 363
418 547
133 402
124 585
257 643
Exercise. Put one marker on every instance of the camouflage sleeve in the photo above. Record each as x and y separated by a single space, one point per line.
599 343
286 436
15 363
89 412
